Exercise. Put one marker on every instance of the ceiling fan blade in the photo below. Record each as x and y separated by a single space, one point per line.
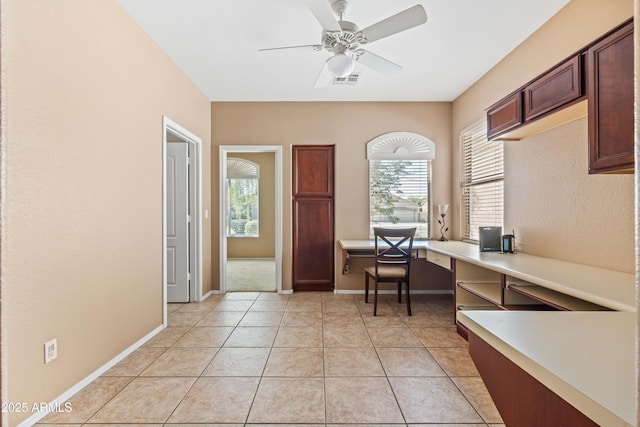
315 47
324 14
325 77
402 21
378 63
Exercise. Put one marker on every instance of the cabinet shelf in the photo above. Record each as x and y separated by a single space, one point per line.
555 299
357 253
479 307
488 291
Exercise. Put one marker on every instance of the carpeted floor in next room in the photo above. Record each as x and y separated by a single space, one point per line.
253 275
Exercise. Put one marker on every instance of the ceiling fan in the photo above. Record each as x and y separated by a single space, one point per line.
343 39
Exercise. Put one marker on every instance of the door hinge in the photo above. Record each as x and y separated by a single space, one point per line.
188 218
188 276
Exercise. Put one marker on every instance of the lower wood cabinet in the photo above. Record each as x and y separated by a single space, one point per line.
313 245
611 116
521 399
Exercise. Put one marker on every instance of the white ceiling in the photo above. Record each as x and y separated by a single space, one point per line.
216 44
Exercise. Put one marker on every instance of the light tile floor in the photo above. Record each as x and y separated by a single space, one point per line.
314 359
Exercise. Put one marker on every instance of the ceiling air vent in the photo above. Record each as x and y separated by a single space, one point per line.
351 79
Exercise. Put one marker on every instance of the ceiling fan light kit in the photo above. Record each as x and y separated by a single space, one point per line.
341 64
343 39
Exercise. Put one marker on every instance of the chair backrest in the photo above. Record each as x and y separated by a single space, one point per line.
393 246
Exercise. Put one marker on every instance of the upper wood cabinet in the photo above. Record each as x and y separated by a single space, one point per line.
504 115
610 82
554 89
600 75
313 171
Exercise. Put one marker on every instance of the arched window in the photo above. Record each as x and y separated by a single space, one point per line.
400 181
243 207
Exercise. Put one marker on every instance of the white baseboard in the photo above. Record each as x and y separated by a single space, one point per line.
393 291
60 400
208 294
286 292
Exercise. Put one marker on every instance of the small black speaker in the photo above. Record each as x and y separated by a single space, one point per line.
490 239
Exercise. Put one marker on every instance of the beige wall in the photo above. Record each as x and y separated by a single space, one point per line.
86 91
636 40
263 246
555 207
347 125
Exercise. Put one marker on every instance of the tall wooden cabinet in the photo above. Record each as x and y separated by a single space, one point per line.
313 215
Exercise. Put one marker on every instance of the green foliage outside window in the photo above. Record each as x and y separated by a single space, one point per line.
243 212
385 188
399 192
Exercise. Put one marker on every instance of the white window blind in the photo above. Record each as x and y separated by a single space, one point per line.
400 194
482 180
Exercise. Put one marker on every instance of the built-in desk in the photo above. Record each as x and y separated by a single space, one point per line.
533 362
540 366
607 289
492 280
353 249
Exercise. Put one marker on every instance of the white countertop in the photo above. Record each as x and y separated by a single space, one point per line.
609 288
587 358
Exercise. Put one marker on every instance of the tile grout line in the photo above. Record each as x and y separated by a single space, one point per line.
166 421
255 395
360 310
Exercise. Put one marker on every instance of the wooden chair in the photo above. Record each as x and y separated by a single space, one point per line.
392 262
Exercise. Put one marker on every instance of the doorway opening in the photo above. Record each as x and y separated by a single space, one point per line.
251 249
191 204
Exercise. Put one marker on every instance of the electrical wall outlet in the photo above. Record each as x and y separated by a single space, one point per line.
50 350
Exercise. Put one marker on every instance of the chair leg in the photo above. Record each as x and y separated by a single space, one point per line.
366 288
375 299
400 292
408 300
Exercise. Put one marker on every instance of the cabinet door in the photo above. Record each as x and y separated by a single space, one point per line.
504 115
313 171
313 244
610 88
313 233
554 89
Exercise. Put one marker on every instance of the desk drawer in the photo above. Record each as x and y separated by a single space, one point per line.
439 259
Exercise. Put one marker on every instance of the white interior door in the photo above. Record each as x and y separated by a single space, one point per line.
177 222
